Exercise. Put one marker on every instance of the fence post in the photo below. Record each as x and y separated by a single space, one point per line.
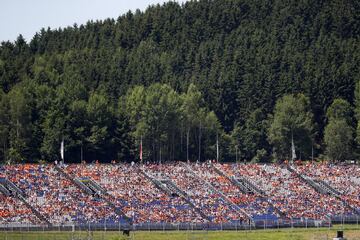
119 227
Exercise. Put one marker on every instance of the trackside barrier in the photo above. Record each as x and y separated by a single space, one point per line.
237 226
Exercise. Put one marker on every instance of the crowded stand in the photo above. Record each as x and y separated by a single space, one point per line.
288 192
345 178
136 195
55 197
253 203
14 211
132 189
210 202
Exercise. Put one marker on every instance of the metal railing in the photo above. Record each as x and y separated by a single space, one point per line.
257 224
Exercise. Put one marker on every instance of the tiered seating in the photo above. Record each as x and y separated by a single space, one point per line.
288 192
14 211
136 195
210 202
344 178
253 204
59 200
55 197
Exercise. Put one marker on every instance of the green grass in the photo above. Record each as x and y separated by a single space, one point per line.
352 232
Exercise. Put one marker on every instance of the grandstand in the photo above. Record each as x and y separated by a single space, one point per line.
205 195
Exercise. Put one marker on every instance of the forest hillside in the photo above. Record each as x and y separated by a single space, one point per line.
234 79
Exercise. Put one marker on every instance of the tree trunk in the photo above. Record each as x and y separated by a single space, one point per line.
81 153
199 158
187 144
5 160
181 140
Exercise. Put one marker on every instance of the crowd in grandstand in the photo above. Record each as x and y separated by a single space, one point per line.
13 210
203 192
345 178
210 202
288 192
55 197
136 195
252 203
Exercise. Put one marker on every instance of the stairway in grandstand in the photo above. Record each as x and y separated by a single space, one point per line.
170 188
247 186
9 189
318 185
244 184
223 196
90 187
321 187
324 185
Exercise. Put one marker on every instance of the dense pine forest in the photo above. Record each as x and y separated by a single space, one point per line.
238 77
